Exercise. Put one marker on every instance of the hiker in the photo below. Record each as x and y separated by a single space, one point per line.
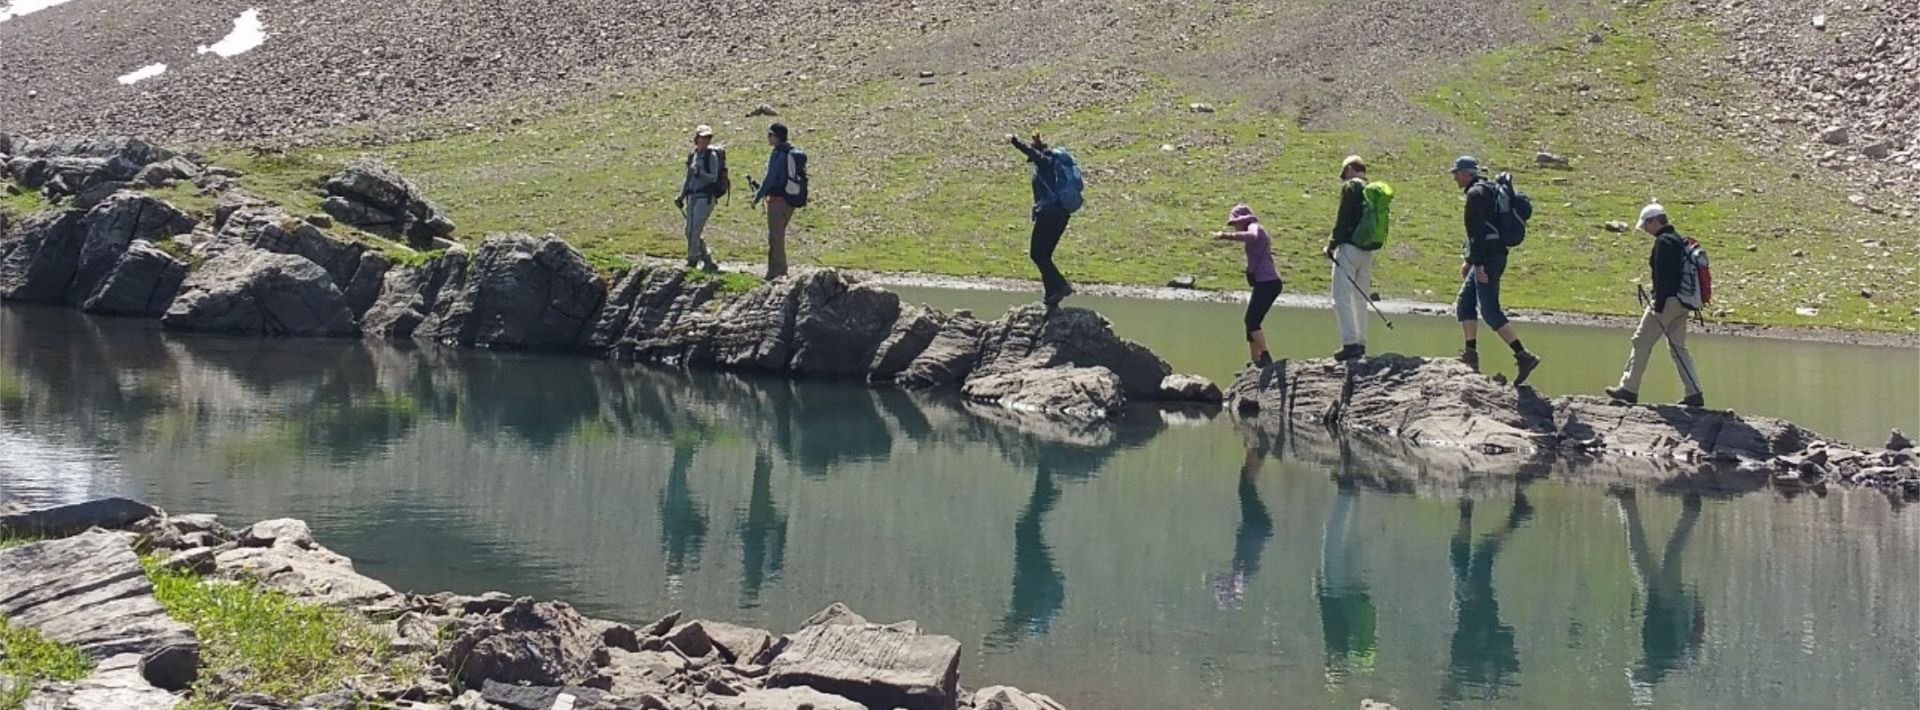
705 183
1261 275
1352 257
1486 261
1056 196
1666 315
785 190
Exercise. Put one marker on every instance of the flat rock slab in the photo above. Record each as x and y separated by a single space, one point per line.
737 643
116 684
785 699
62 520
90 592
316 575
874 665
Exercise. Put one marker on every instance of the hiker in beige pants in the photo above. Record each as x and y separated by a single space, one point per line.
1677 291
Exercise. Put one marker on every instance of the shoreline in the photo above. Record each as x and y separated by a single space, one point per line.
102 579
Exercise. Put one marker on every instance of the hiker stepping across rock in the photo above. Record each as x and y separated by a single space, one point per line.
1261 276
1057 186
1496 221
1359 230
1681 285
706 182
785 190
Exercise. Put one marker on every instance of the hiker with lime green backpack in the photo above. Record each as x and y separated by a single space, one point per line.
1359 231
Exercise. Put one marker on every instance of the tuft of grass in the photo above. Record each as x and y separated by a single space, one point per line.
256 640
186 197
731 282
27 658
401 255
25 203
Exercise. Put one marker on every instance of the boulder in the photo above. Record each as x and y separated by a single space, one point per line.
1897 441
839 325
89 591
409 295
40 255
784 699
521 697
876 666
374 197
124 155
1551 160
691 639
1030 338
249 291
316 575
632 673
143 284
1190 388
111 228
115 684
912 333
280 233
280 531
737 644
1089 393
518 293
165 171
233 202
363 289
1426 402
535 643
1001 697
950 358
69 519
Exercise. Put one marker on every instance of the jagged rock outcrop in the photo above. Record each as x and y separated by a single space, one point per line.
38 259
649 314
408 296
1030 338
533 643
1442 410
249 291
374 197
518 292
113 226
143 284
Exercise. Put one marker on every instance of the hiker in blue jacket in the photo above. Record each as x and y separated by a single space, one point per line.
784 189
1050 217
1484 263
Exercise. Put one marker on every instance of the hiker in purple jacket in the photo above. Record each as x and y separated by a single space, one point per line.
1261 275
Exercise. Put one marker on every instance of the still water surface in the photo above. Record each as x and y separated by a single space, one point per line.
1164 562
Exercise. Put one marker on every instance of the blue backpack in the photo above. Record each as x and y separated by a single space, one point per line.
1068 182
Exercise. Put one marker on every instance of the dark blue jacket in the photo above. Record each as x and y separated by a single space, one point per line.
1483 230
775 183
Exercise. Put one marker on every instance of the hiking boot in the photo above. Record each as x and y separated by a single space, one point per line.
1697 401
709 267
1265 361
1053 299
1623 395
1527 362
1350 352
1471 358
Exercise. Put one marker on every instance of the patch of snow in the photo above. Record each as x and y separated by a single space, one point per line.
248 32
147 72
26 7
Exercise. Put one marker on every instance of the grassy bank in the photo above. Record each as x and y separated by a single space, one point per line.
27 658
912 175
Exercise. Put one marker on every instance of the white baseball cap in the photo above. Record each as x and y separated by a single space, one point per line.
1651 211
702 130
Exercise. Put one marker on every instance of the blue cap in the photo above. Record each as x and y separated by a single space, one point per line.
1467 163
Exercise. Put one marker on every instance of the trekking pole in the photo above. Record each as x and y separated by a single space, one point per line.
1363 293
1672 349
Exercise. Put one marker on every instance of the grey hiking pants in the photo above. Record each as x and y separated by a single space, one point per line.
699 208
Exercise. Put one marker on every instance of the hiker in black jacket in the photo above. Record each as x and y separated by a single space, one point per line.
1050 219
1666 315
1486 261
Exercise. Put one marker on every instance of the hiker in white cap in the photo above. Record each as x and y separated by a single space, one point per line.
707 181
1677 290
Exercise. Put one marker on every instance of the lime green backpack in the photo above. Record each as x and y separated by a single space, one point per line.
1371 233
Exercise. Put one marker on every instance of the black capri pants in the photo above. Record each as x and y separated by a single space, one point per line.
1264 294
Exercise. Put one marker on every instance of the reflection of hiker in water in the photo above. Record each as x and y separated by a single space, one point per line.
1250 539
1482 653
763 533
1673 619
683 519
1038 589
1347 613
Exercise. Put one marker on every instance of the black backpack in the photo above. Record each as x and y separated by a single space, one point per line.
724 184
1512 209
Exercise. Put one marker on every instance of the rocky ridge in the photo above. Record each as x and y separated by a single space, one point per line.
1439 414
255 269
488 652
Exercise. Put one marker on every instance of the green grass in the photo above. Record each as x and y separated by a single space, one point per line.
27 658
25 203
917 178
255 640
730 282
186 197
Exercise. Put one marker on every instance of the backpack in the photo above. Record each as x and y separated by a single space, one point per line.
1068 181
1696 280
1512 210
724 184
796 190
1376 208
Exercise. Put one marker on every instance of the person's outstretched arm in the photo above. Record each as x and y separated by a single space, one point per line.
1034 156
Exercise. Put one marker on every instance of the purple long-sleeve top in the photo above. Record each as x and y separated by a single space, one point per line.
1259 247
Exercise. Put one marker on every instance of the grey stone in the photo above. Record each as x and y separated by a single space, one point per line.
233 202
88 591
199 560
912 333
143 284
409 296
39 257
1551 160
278 232
279 531
836 614
1183 282
544 643
111 228
175 168
255 292
1190 388
950 358
171 667
518 293
1029 338
521 697
1089 393
316 574
691 639
72 518
115 684
1000 697
872 665
374 197
785 699
839 325
661 626
1618 227
654 315
737 644
1837 135
1897 441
